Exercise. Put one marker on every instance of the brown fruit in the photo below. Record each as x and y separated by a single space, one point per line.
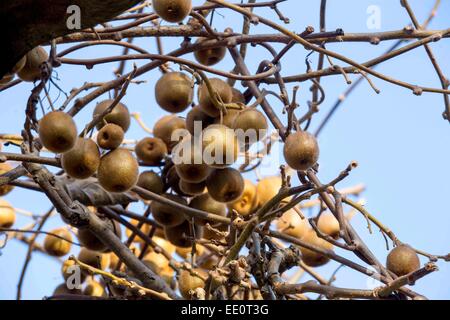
156 261
192 189
118 171
312 258
247 202
82 161
172 10
252 124
301 150
119 115
402 260
94 258
166 126
329 225
58 247
90 241
4 168
220 146
191 280
57 131
151 181
166 214
94 289
174 92
292 224
222 89
228 118
7 214
225 185
63 290
204 202
238 97
69 269
196 118
211 56
151 151
110 136
31 71
188 159
173 181
182 235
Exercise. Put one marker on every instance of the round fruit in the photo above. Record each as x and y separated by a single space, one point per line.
58 247
151 151
7 214
94 289
168 125
238 97
220 146
402 260
312 258
57 131
155 261
173 181
82 160
197 121
70 269
192 189
90 241
225 185
62 290
151 181
188 281
118 171
211 56
228 118
119 114
204 202
188 160
174 92
94 258
4 168
329 225
268 188
181 235
31 71
110 136
247 202
292 224
252 124
222 89
166 214
172 10
301 150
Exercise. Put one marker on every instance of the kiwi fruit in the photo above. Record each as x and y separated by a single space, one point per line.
247 203
166 214
252 123
151 181
172 180
174 92
5 168
211 56
238 97
120 115
155 261
166 126
301 150
267 188
196 117
329 225
204 202
89 240
94 258
191 280
94 289
58 247
292 224
312 258
222 89
110 136
151 151
225 185
172 10
228 118
188 159
181 235
7 214
83 160
31 71
58 132
63 290
220 146
118 171
402 260
70 269
192 189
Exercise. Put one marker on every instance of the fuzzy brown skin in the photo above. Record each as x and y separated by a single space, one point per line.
210 57
192 189
402 260
62 290
151 151
58 247
204 202
118 171
238 97
174 92
188 281
251 120
6 188
164 128
228 118
151 181
223 90
189 165
311 258
82 161
94 258
110 136
31 71
301 150
181 235
172 10
220 146
165 214
225 185
120 114
197 115
58 131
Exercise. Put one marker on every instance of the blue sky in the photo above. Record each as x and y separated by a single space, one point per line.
399 140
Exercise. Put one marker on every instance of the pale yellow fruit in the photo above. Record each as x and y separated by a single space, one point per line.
292 224
248 201
58 247
329 225
268 188
312 258
7 214
94 289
